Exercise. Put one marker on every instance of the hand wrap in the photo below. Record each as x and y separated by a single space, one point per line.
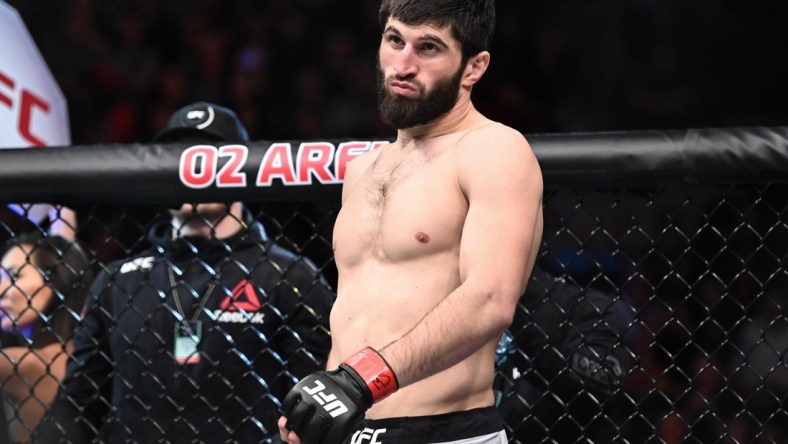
325 406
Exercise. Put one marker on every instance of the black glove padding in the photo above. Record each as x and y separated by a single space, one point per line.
325 406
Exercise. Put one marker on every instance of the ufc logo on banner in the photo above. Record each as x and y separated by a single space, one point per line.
367 436
27 103
329 401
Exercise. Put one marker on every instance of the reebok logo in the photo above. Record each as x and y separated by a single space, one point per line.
244 297
241 307
329 401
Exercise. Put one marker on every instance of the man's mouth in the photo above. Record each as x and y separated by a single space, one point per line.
403 88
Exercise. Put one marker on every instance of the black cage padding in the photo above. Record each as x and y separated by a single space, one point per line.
149 173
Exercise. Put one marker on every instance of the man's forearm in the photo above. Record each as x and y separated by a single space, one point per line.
454 329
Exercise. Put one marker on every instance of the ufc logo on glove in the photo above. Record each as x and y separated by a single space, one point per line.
325 407
329 401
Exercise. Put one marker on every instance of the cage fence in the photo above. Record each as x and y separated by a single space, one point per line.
656 312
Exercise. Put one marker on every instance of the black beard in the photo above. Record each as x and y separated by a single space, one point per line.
401 112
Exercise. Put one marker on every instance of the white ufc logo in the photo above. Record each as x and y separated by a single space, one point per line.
329 401
367 435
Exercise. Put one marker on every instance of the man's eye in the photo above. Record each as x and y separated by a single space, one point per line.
395 40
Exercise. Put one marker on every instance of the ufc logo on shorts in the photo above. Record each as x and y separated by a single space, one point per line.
367 436
329 401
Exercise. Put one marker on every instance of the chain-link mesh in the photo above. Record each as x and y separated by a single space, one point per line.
654 314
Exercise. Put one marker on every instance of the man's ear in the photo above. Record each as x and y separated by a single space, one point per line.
475 68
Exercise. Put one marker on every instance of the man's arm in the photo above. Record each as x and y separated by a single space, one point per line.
503 185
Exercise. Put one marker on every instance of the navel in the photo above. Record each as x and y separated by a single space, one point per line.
422 237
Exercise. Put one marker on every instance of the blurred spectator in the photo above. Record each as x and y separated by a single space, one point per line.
576 66
561 361
43 283
759 366
199 337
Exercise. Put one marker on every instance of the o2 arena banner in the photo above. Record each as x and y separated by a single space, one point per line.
314 170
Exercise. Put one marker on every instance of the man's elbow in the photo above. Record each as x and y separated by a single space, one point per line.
501 307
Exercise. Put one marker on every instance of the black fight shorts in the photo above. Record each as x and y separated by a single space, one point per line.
477 426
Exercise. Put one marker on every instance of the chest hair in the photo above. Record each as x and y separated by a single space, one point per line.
386 176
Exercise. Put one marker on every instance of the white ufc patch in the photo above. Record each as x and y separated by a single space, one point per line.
328 401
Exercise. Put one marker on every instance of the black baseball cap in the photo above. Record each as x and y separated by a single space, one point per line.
203 119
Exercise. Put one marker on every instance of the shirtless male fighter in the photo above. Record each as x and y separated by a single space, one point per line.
434 244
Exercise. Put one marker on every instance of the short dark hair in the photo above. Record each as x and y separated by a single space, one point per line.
472 21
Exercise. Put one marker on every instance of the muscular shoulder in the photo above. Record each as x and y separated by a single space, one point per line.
493 138
495 151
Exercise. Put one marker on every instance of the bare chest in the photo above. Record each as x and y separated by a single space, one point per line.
401 209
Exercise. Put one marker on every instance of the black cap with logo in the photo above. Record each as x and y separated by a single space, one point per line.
205 120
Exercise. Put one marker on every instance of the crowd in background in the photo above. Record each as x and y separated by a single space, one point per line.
305 69
300 69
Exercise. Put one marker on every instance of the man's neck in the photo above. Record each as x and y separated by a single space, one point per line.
460 117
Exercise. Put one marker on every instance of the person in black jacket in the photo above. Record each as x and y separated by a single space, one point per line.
561 364
198 338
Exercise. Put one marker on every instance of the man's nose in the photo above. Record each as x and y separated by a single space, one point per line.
405 64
